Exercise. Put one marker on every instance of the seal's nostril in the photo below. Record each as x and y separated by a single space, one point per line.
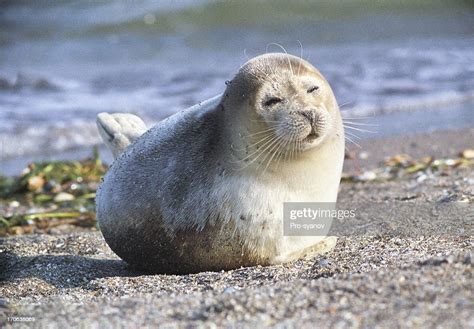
308 115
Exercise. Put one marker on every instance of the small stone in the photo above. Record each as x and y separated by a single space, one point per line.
398 241
52 186
63 197
25 171
350 155
363 155
16 230
421 178
14 204
398 160
450 162
468 154
35 183
229 290
426 160
367 176
323 263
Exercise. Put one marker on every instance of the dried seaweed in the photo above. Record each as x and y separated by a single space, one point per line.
47 193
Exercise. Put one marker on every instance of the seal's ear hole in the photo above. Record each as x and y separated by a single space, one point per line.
272 101
312 89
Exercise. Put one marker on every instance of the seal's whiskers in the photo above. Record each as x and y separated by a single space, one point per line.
261 140
352 134
260 132
358 129
270 148
301 56
274 141
283 153
266 121
266 140
265 74
287 57
345 104
278 145
352 141
359 123
260 150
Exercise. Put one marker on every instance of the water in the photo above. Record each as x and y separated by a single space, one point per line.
408 67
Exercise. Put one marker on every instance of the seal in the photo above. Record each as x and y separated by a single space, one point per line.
203 190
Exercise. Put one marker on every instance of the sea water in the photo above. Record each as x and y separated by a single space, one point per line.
405 67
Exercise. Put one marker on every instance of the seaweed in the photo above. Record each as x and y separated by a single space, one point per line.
48 193
403 166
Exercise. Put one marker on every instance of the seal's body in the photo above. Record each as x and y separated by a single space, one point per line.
204 189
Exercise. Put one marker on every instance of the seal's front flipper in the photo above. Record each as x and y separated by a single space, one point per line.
118 130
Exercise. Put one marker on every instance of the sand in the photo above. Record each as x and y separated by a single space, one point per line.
74 279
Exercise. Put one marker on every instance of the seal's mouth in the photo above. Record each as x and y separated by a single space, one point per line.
316 123
313 135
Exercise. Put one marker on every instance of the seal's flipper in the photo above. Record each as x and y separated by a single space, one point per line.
118 130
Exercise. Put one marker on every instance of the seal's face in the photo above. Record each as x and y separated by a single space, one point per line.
299 107
285 107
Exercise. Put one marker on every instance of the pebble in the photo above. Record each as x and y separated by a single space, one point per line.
323 263
363 155
450 162
468 154
229 290
367 176
421 178
63 197
35 183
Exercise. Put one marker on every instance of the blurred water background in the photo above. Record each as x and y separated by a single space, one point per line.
406 65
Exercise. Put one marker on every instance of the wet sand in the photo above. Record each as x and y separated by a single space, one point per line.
385 281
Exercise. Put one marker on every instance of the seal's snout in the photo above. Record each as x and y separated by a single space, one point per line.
315 120
313 134
309 115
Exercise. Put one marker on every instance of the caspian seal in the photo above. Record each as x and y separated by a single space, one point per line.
203 190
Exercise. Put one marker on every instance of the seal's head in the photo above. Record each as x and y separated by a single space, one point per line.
286 98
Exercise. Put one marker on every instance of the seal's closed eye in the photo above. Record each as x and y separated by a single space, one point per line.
272 101
312 89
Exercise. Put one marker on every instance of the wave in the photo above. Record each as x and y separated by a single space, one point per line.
426 102
25 82
92 18
63 62
57 137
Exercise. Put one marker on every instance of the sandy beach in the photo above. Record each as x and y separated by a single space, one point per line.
403 77
73 279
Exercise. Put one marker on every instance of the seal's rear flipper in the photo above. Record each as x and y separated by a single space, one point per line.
118 130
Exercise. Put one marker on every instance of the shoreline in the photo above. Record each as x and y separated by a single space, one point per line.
376 146
438 144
